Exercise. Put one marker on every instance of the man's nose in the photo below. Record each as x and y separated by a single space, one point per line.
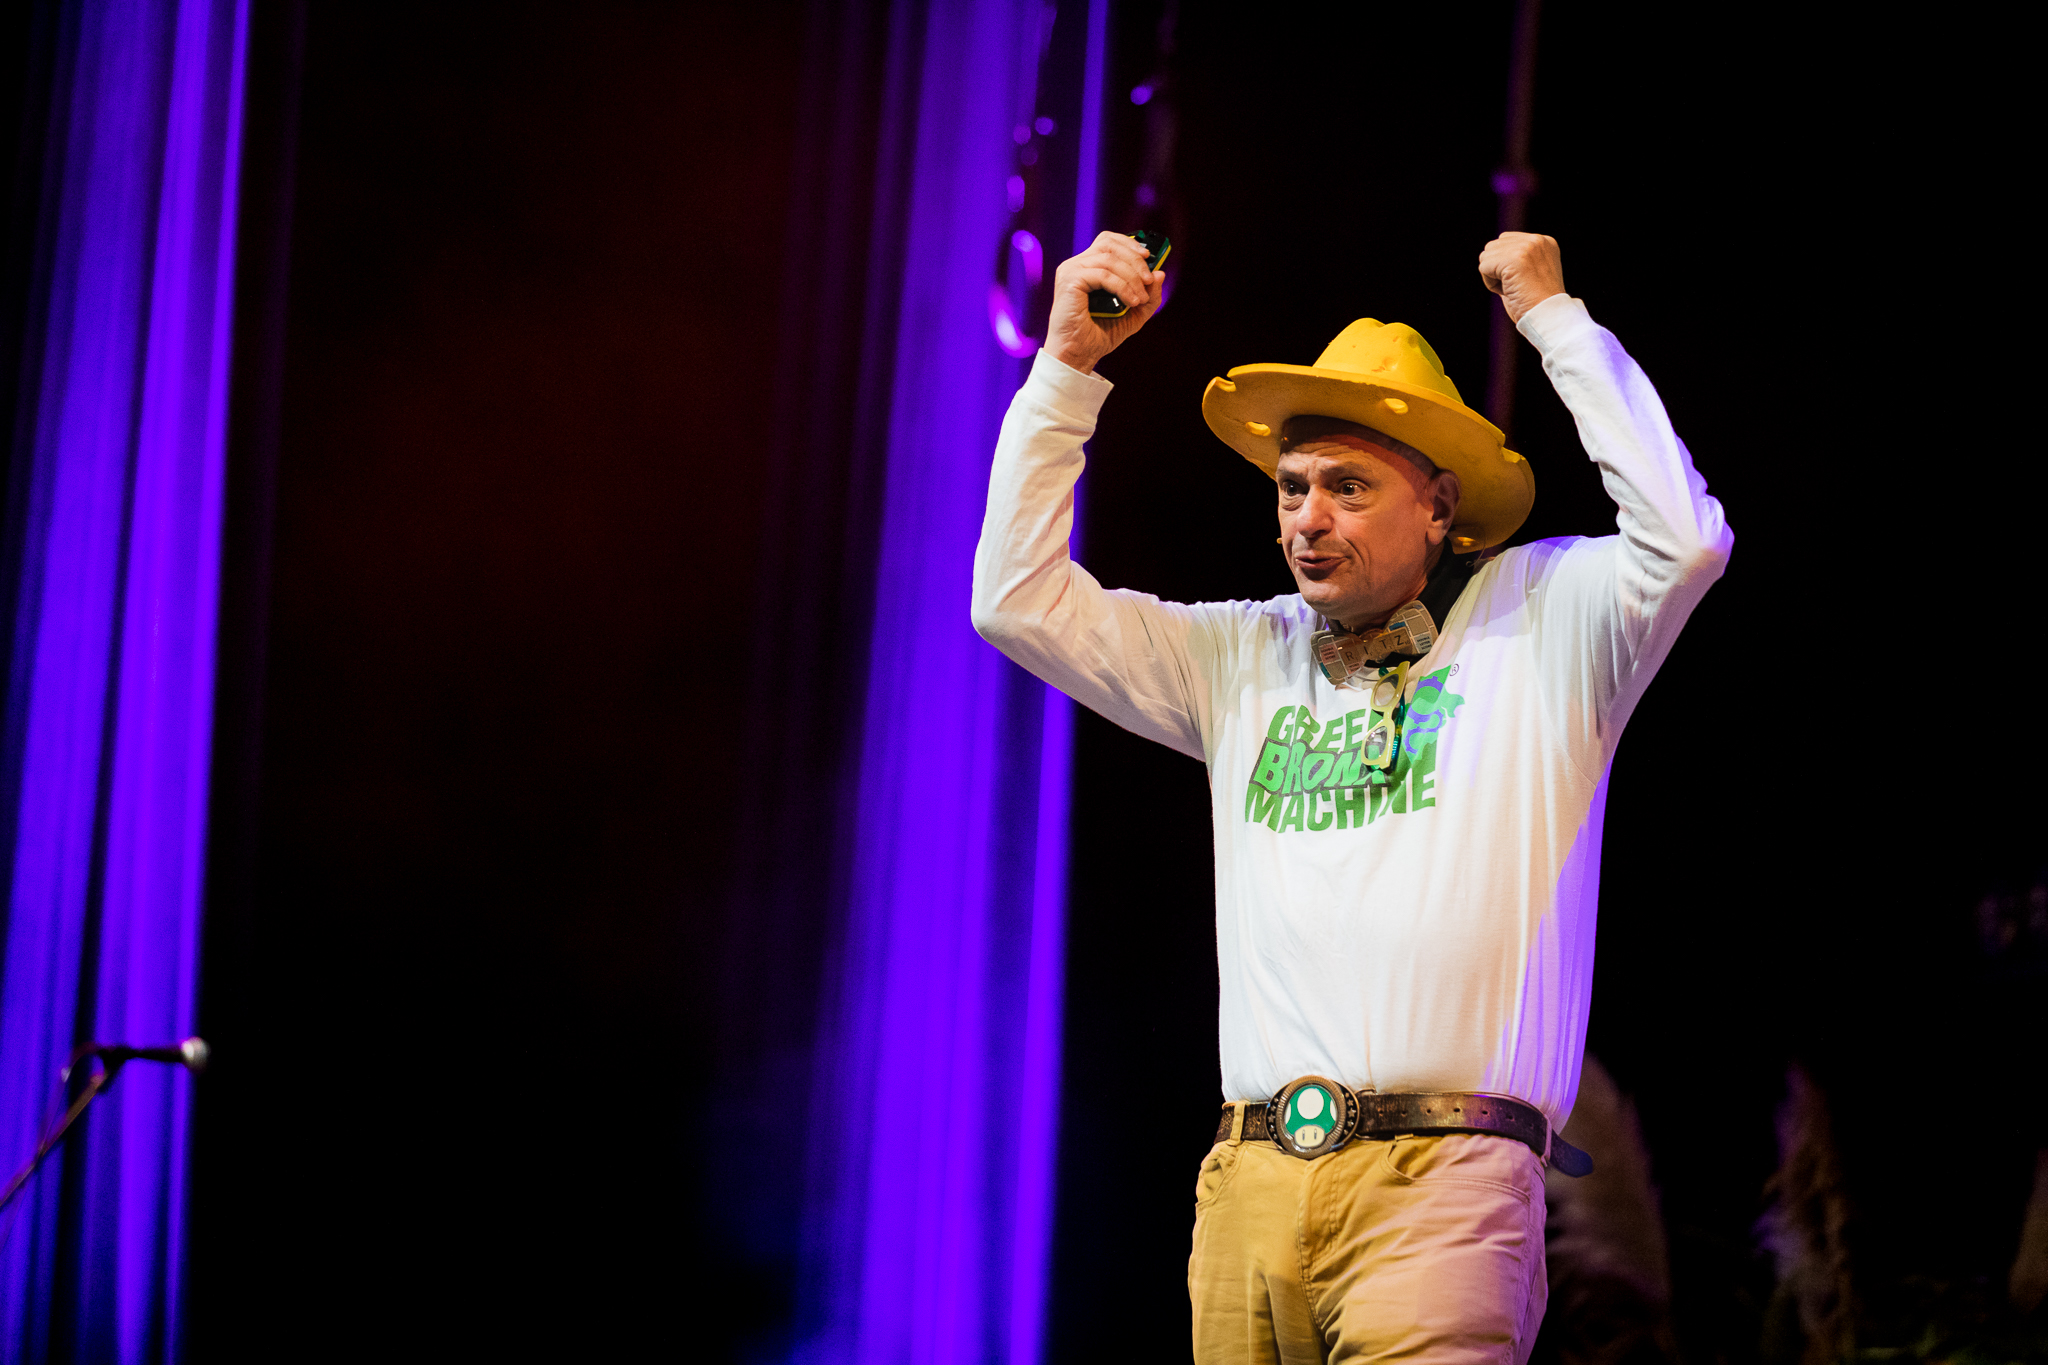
1313 517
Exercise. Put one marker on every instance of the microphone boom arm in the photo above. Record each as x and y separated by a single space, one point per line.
192 1054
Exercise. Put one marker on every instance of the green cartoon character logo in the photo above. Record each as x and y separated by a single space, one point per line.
1432 707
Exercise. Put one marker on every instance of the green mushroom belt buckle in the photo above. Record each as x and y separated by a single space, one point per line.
1316 1117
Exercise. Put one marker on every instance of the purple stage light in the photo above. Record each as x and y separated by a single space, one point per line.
1508 181
114 630
1026 246
1044 125
1141 94
1015 187
1009 329
1004 318
1147 196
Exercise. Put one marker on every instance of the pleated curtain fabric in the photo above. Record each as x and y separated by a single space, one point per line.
930 1180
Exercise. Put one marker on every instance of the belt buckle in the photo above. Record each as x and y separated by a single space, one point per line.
1312 1116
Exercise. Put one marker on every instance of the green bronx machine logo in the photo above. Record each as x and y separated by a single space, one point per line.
1311 776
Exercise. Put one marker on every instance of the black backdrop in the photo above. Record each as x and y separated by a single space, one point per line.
480 938
1789 872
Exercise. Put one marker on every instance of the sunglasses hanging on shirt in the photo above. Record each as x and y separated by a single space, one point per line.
1382 742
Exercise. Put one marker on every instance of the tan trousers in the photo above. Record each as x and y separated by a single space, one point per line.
1422 1249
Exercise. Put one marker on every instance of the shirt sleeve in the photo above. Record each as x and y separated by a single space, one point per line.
1128 656
1612 607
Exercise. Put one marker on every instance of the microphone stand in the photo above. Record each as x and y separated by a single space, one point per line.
191 1054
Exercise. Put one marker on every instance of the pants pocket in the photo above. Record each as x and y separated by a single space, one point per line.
1466 1159
1216 1169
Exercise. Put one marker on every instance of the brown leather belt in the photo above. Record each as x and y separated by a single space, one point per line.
1374 1115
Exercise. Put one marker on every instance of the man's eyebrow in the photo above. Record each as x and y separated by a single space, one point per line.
1342 469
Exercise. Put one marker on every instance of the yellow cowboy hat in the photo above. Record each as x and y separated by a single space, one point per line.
1383 376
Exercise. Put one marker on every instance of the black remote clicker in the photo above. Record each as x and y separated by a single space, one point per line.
1102 303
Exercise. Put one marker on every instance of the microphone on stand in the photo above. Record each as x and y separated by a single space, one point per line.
192 1054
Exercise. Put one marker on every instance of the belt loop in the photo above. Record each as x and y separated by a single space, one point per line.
1549 1133
1237 1108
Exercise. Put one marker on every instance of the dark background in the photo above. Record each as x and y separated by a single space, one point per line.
466 1012
527 495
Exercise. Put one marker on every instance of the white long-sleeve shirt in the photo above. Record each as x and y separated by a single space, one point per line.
1435 933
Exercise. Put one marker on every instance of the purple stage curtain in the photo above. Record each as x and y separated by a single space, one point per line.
931 1181
111 688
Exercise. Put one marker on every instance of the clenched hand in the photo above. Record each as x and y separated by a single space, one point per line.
1113 262
1524 268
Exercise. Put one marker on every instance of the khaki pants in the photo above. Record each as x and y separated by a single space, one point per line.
1425 1249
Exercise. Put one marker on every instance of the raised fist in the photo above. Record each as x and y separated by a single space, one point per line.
1116 263
1524 268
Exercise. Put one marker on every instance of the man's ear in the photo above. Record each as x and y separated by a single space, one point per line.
1444 492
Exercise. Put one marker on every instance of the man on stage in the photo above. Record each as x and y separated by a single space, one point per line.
1408 761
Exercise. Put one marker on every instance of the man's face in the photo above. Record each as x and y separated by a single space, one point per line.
1359 525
